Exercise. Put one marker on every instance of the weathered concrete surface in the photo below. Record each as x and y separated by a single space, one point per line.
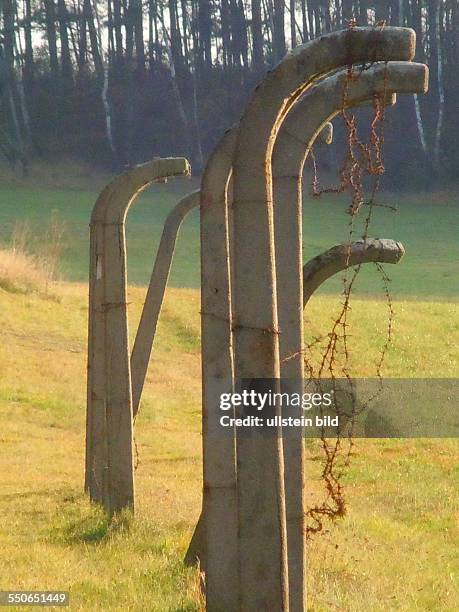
369 86
322 267
219 469
263 565
109 469
321 103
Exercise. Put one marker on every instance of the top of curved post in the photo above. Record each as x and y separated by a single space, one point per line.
325 99
116 197
218 167
380 78
341 48
382 250
318 269
283 85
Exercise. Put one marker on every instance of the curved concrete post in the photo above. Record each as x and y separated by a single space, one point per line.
155 294
219 491
292 147
145 335
217 335
109 469
219 234
318 269
299 130
219 468
261 503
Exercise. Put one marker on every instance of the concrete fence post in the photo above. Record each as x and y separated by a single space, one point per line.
263 565
109 464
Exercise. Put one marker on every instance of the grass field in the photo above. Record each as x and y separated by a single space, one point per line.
427 225
395 550
397 547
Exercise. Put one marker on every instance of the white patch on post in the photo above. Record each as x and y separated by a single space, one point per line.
98 267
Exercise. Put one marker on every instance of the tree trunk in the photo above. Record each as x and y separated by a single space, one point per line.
205 32
137 18
347 11
93 38
29 66
257 37
129 27
436 64
175 37
185 40
111 33
292 23
50 16
226 38
66 61
97 44
83 41
279 30
304 21
14 149
118 33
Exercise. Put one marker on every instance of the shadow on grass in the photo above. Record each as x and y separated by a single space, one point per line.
87 529
90 525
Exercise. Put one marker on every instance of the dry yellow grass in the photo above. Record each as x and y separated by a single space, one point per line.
395 549
28 266
22 273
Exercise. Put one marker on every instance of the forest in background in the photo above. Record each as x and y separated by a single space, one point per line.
116 82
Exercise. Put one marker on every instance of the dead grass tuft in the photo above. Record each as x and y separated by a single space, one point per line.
21 273
30 267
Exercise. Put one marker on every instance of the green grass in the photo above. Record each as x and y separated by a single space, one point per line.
396 549
427 228
74 207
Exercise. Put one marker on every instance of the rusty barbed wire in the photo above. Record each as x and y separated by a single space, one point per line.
361 159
